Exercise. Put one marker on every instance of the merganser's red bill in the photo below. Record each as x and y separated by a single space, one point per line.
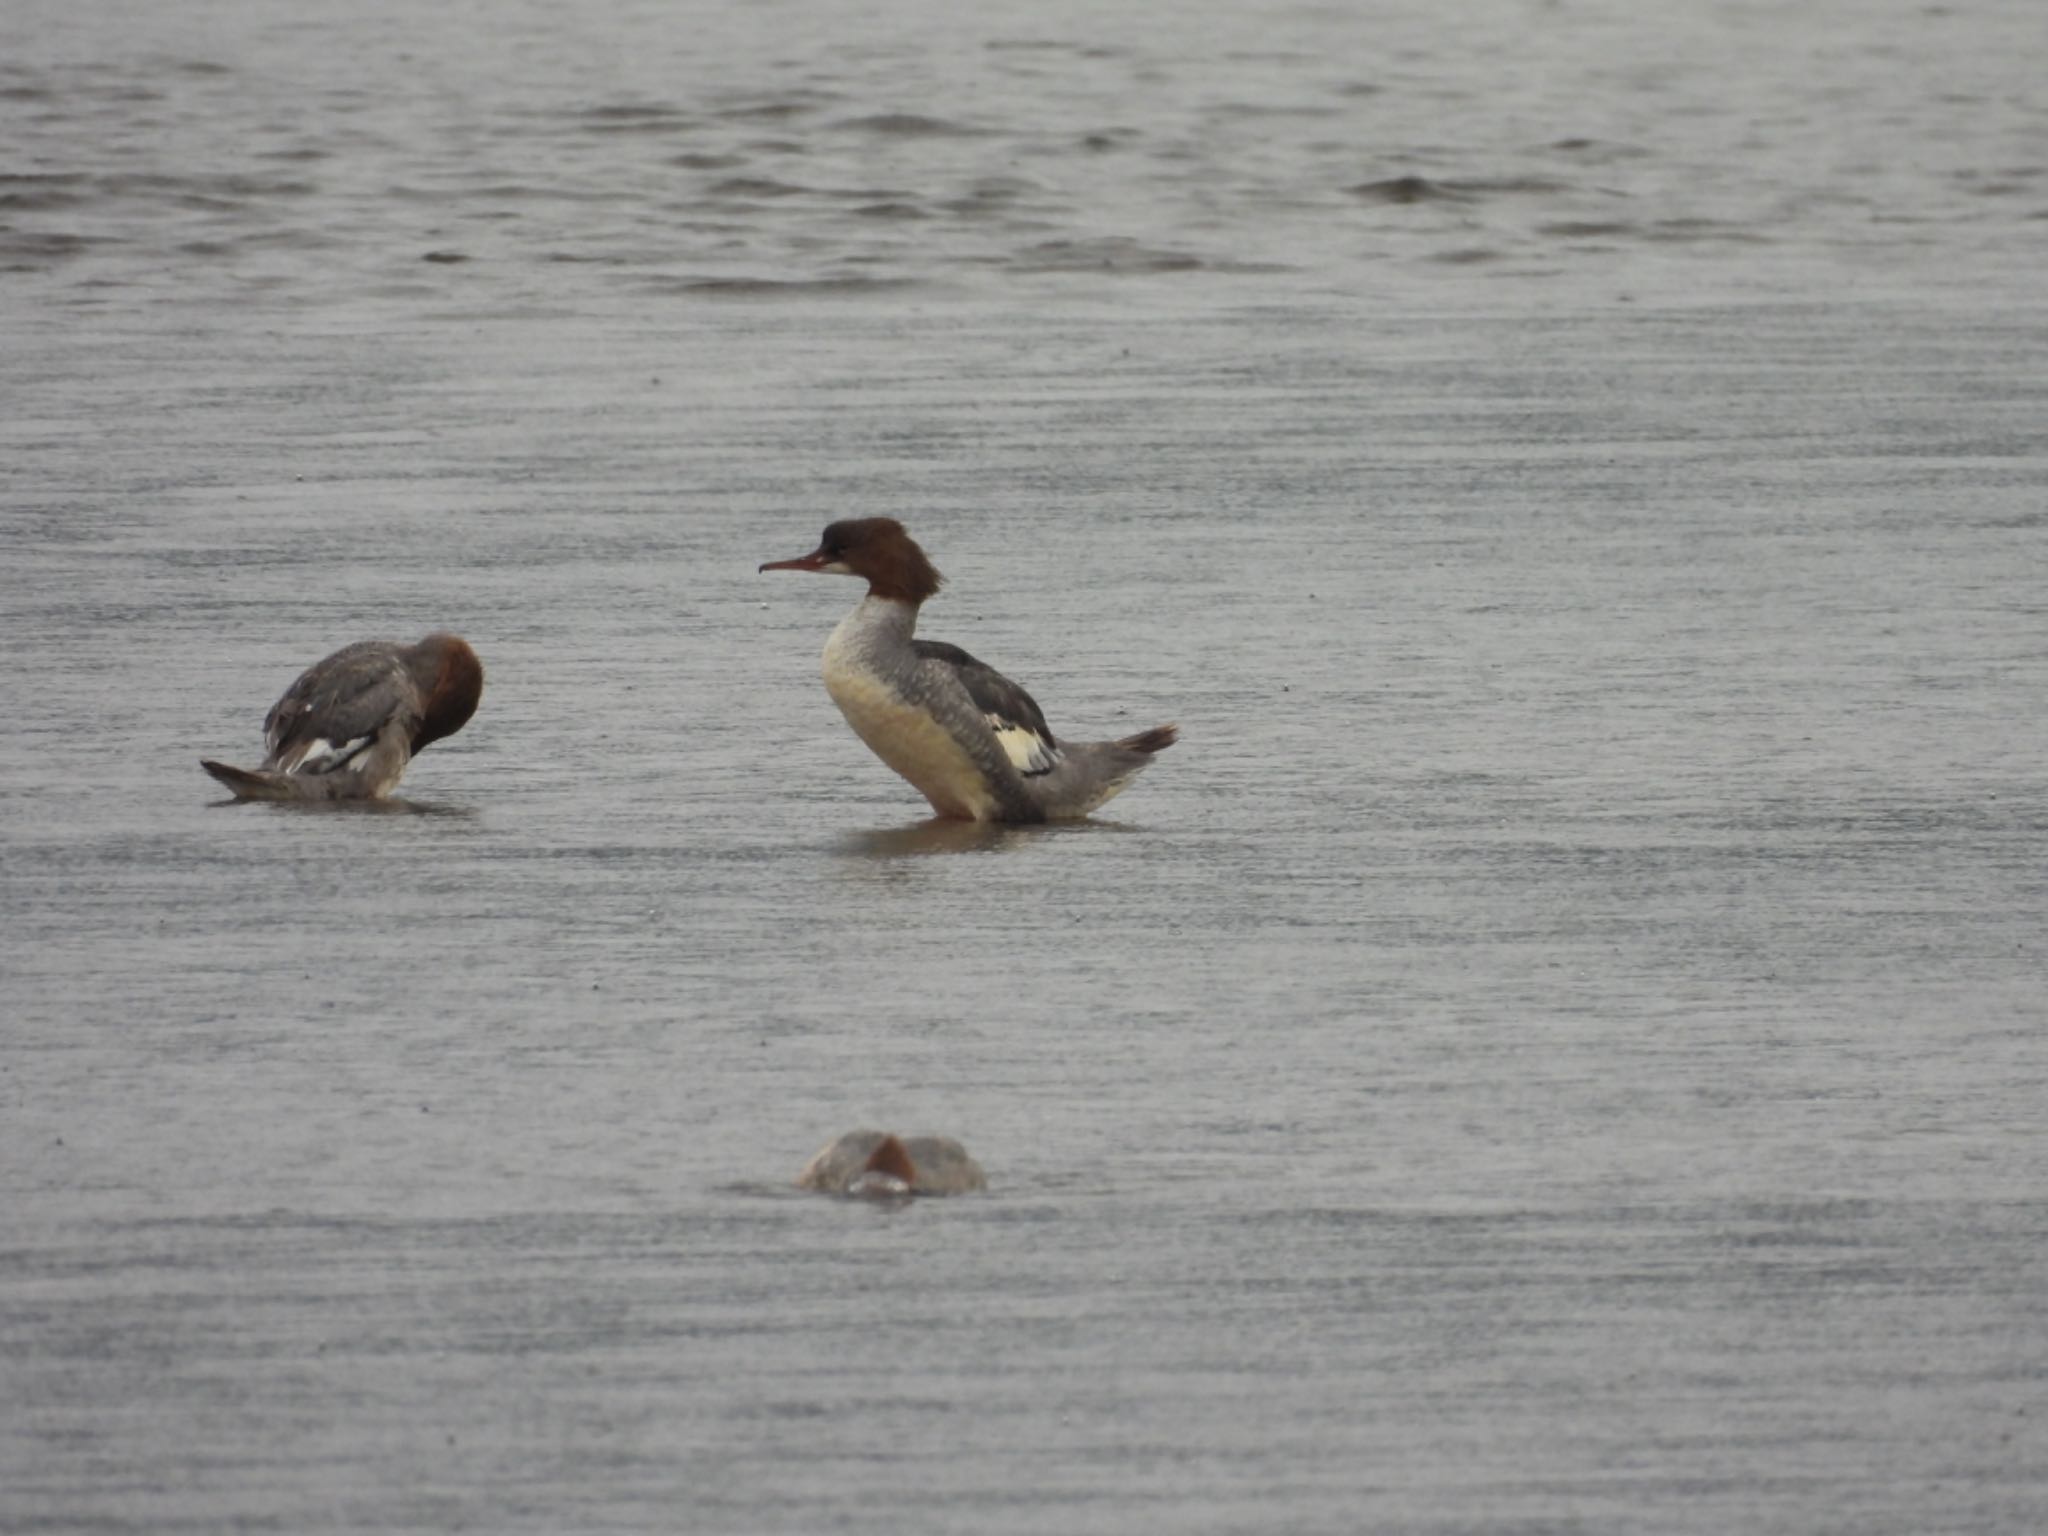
816 560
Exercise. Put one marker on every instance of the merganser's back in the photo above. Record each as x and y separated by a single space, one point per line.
972 742
348 726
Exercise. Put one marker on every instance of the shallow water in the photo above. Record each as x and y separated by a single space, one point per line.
1558 1046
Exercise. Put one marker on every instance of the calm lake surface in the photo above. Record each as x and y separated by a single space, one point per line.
1560 1046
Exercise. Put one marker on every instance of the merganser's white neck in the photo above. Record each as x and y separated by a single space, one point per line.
888 621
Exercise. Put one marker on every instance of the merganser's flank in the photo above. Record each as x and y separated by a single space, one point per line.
347 728
972 742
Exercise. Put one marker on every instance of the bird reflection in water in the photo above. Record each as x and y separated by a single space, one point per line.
944 835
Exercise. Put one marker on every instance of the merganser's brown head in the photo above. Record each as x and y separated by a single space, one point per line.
450 680
893 1158
876 548
888 1174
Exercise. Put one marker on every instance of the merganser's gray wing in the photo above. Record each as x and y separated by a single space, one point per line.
339 707
1011 713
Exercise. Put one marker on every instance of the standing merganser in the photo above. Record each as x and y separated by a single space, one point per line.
971 741
882 1166
347 728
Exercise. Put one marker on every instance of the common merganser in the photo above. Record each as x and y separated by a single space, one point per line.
972 742
881 1166
347 728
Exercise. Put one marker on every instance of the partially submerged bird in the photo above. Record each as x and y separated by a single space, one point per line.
971 741
347 728
881 1166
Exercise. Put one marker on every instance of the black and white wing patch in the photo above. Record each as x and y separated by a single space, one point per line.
334 713
1011 713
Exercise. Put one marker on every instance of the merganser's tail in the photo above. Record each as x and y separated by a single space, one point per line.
254 783
1091 773
275 784
1158 739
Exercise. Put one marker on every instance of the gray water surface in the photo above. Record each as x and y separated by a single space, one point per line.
1557 1047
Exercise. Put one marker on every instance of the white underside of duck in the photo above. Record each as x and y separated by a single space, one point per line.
910 740
916 718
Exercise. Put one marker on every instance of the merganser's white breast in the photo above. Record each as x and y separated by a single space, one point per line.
877 692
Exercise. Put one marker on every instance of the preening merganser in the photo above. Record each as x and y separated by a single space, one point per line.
878 1165
972 742
347 728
